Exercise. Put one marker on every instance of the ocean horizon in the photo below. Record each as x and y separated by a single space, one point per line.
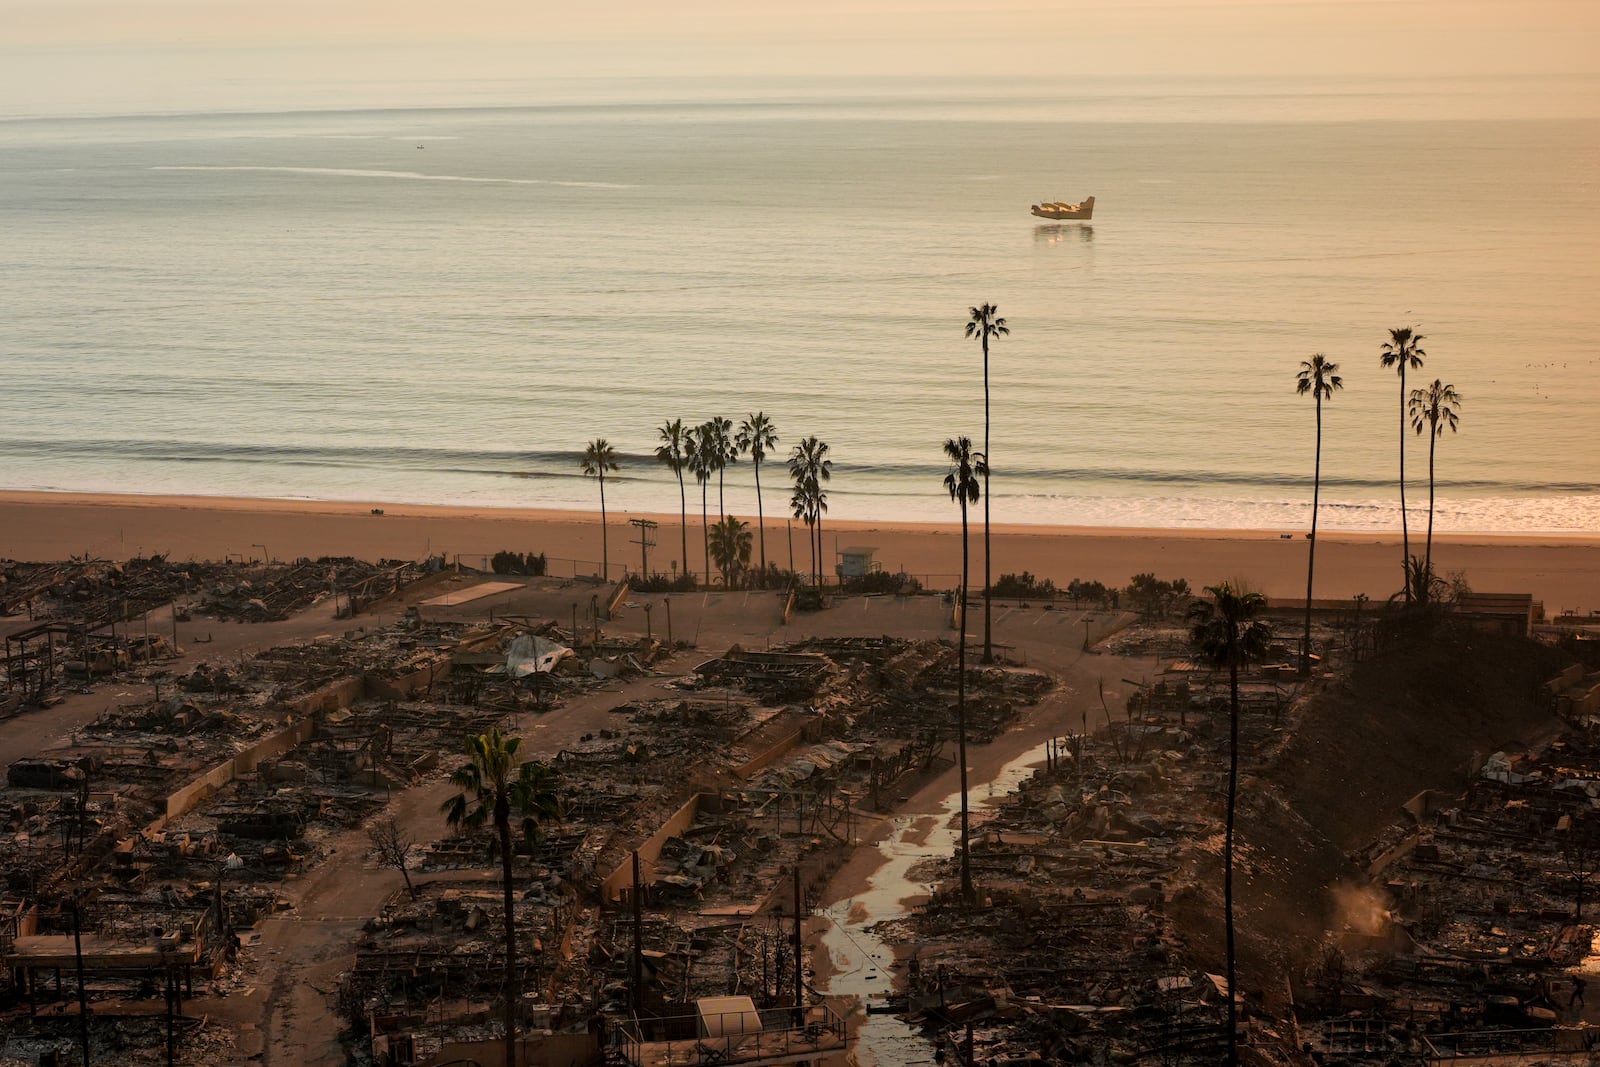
442 304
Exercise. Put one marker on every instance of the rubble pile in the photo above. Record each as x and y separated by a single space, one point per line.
271 592
1454 933
237 780
99 591
449 940
176 820
1078 950
893 689
723 794
91 617
775 677
1073 954
1473 916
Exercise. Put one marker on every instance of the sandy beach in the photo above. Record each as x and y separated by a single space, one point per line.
1563 572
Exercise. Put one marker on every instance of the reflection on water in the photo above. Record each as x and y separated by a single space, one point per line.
1056 233
863 961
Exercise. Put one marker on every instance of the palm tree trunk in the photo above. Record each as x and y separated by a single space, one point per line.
1311 557
961 711
705 528
811 540
1227 841
722 510
502 825
761 521
821 577
683 520
988 607
605 547
1433 444
1405 526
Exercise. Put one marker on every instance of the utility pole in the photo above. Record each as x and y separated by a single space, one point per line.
799 977
645 543
83 992
638 944
172 992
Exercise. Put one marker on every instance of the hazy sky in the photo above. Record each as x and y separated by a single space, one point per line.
64 55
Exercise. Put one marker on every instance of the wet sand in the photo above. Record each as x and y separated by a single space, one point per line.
1563 572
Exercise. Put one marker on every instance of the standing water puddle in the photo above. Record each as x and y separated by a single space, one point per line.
862 960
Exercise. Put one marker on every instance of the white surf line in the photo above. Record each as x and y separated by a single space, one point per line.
408 175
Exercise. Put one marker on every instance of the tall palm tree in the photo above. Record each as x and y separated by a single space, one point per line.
1319 377
758 436
1434 408
962 484
810 467
983 323
800 505
598 458
673 451
1403 350
701 452
730 546
493 787
1225 632
723 453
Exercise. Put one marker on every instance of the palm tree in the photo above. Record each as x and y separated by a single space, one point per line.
758 436
700 453
598 458
1403 350
673 451
810 466
493 787
1225 632
1318 376
962 483
984 324
723 452
730 546
1435 409
800 505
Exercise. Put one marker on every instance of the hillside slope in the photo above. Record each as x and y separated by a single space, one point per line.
1352 754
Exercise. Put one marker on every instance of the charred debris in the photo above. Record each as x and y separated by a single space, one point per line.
144 852
1458 924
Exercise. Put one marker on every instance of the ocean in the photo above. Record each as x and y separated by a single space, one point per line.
443 304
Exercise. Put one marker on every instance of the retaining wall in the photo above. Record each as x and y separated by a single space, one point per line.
244 762
649 851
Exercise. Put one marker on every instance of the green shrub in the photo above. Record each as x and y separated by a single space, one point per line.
660 583
882 582
1024 586
518 563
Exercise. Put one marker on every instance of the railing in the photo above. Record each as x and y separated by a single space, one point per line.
771 1036
1506 1046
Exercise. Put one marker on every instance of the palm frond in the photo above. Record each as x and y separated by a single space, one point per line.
1224 628
961 482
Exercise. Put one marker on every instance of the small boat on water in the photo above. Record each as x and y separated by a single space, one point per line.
1057 209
